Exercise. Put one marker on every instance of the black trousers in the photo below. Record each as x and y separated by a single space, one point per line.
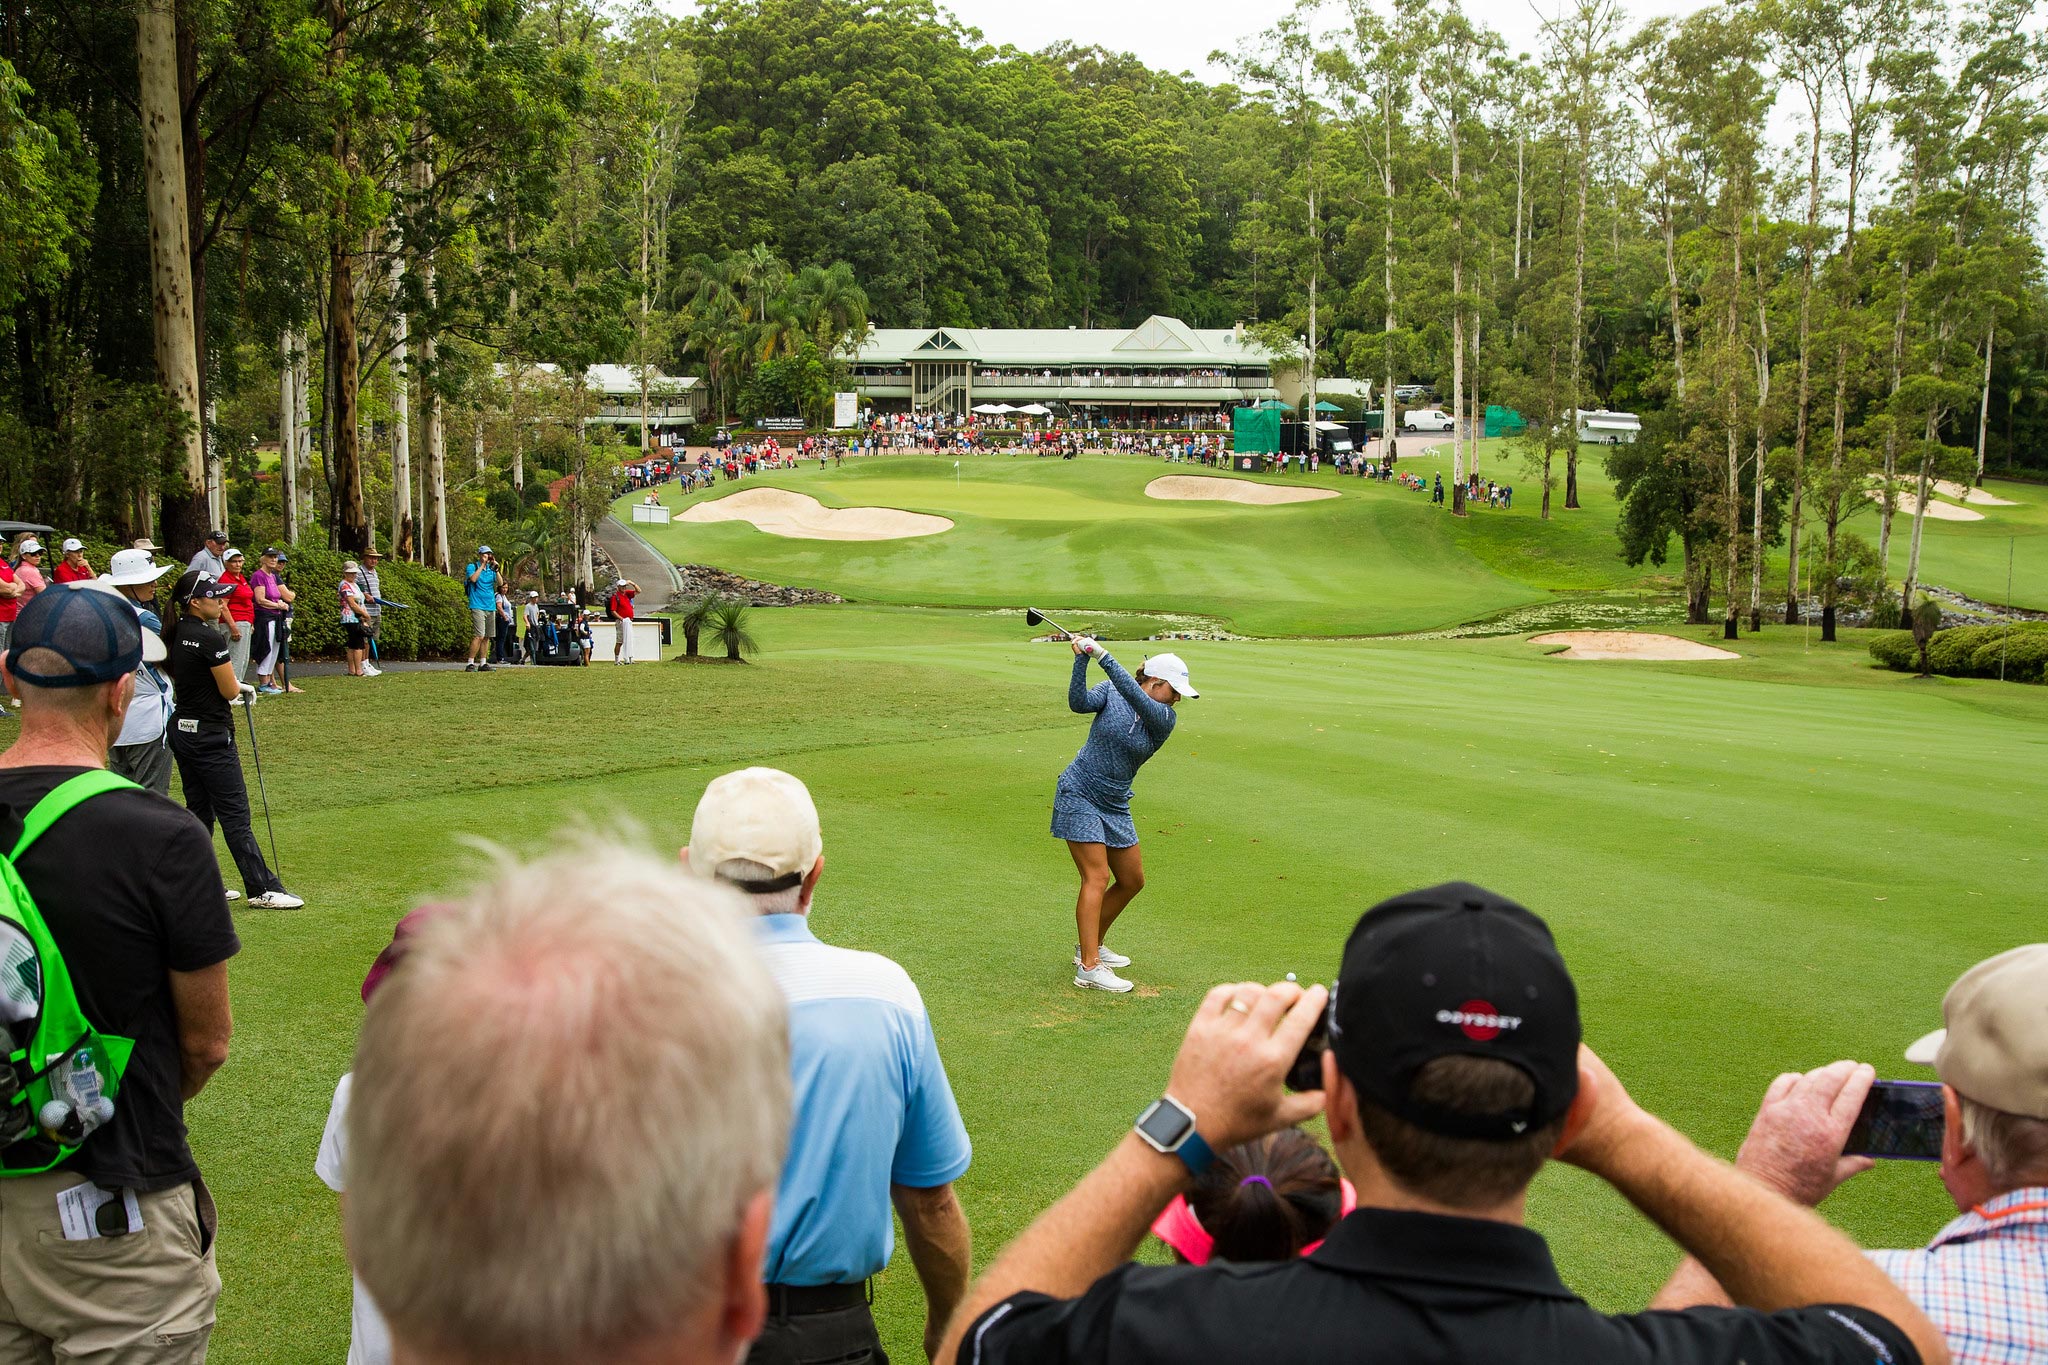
843 1335
211 769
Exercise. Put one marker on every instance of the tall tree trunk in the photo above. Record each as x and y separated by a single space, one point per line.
1924 492
1571 459
1984 401
401 422
1677 308
1458 439
170 255
1805 401
1732 513
1888 505
1830 585
1388 442
288 432
302 439
434 506
344 450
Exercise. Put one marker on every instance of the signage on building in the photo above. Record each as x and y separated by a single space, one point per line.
779 424
843 408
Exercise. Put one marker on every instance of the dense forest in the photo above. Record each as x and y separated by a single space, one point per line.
327 240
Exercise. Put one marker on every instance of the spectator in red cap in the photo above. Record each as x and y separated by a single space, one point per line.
1984 1277
1454 1072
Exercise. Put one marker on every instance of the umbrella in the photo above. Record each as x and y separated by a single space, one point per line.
1271 404
1035 409
990 409
1328 407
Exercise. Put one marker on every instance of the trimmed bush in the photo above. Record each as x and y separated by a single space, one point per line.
437 626
1894 649
2025 656
1971 651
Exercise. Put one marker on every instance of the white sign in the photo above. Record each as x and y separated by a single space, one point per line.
843 409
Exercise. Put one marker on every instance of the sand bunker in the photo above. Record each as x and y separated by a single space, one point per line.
1195 488
1962 493
1623 644
782 513
1940 511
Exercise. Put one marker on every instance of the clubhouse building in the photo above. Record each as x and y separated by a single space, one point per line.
1161 368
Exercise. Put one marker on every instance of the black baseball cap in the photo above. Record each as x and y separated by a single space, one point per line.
79 634
1456 970
199 583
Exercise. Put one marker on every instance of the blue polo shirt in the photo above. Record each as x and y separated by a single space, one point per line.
483 592
873 1107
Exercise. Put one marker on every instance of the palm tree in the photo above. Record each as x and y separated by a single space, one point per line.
831 308
534 539
729 627
694 620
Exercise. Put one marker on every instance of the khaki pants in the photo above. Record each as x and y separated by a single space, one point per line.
143 1296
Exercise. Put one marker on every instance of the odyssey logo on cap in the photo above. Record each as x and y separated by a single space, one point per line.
1479 1020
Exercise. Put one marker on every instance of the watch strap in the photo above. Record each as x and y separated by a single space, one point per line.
1195 1153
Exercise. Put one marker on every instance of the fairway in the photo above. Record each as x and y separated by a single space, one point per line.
1375 560
1751 865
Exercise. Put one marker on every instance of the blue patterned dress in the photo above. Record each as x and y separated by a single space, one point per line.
1092 803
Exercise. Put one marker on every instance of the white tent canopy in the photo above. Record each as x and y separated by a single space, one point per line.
991 409
1035 409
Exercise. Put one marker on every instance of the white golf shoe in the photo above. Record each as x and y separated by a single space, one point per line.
1104 954
276 900
1100 978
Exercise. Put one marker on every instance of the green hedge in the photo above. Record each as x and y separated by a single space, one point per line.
1971 651
436 627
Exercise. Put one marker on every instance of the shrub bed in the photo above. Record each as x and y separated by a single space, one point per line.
1971 651
437 626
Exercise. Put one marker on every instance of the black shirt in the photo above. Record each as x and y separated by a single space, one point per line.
1416 1288
196 647
130 889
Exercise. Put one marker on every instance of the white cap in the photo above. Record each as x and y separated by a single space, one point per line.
351 567
31 546
1169 669
231 553
129 567
761 814
72 543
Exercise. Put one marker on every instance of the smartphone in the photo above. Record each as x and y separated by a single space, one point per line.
1900 1120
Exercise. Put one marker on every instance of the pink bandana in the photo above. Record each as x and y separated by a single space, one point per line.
1180 1229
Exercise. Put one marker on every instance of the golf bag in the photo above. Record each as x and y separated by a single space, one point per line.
555 643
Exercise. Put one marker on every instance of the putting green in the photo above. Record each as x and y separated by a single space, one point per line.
1751 865
1973 557
1377 559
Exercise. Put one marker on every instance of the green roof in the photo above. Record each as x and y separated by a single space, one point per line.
1158 341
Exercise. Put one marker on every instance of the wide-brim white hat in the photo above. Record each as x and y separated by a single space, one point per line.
129 567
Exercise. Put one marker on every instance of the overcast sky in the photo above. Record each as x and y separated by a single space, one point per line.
1179 35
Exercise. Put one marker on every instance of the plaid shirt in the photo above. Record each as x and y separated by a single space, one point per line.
1984 1280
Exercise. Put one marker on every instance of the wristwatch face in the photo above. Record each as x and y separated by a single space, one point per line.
1165 1125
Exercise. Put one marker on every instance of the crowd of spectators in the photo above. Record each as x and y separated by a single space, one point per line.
724 1180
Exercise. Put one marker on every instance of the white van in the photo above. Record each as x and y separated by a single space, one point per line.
1427 419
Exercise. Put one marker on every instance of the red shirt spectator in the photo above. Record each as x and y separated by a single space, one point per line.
10 605
242 602
74 566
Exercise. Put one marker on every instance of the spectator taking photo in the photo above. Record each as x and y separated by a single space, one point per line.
1983 1278
1454 1071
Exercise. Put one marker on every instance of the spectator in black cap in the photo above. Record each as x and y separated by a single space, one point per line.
211 558
1454 1071
127 883
203 733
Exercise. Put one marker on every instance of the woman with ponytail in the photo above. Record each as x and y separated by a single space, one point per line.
1267 1200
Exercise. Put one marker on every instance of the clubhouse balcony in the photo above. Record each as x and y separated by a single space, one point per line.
1162 365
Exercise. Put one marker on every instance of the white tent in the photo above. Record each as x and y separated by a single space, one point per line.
1036 409
992 409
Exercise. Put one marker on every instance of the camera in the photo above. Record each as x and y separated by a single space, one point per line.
1306 1072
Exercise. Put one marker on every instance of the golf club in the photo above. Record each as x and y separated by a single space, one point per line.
249 711
1034 617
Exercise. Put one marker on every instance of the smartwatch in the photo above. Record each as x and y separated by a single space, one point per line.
1168 1127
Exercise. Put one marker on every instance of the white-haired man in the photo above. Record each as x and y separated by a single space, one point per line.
1983 1279
876 1123
572 1168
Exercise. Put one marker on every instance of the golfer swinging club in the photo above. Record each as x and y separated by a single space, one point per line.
1091 806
